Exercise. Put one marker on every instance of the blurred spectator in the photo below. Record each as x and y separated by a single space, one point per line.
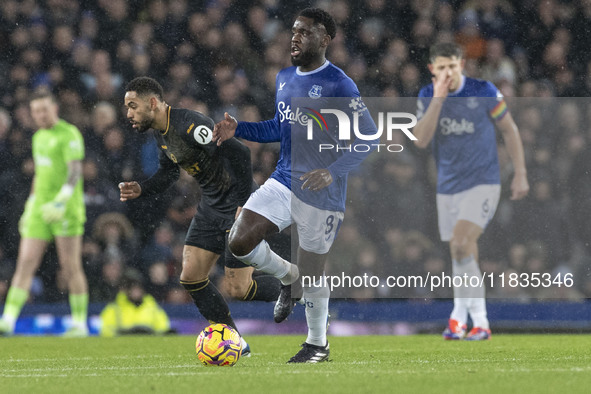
115 234
133 311
5 125
6 269
120 165
469 35
496 20
498 67
100 195
161 246
159 281
541 219
105 288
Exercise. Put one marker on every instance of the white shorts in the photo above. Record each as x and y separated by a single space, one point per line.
317 228
476 205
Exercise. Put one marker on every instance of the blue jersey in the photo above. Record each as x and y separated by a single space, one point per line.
327 81
464 144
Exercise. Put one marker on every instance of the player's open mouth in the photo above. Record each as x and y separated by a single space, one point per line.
133 124
295 51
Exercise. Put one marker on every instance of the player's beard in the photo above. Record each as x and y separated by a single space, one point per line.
304 59
143 126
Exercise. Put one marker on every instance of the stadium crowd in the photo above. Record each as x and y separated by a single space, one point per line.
223 55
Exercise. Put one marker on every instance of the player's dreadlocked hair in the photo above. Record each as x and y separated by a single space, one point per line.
145 85
445 49
322 17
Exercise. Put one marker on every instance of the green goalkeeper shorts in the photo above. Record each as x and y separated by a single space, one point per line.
32 225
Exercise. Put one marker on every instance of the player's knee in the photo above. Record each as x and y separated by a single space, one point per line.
239 243
191 277
21 273
71 268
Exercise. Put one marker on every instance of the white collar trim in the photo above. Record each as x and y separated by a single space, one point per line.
462 83
299 72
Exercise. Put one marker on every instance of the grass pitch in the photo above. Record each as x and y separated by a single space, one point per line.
365 364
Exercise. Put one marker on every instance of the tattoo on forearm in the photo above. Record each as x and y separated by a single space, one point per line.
74 172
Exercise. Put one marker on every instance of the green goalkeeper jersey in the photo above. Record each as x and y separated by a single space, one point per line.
53 149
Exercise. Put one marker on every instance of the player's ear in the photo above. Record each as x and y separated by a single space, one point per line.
431 68
153 103
462 63
325 40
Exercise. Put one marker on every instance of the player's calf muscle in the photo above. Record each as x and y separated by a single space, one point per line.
237 288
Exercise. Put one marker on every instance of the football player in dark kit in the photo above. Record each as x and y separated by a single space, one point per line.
224 174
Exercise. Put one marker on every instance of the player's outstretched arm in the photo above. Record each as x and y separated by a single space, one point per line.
519 185
225 129
129 190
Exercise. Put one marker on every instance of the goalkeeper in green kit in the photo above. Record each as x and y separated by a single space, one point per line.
54 212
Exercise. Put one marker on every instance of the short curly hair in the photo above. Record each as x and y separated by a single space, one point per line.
321 17
445 49
145 85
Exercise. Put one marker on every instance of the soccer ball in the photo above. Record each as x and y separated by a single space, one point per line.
218 345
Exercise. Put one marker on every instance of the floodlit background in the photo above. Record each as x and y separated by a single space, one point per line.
216 56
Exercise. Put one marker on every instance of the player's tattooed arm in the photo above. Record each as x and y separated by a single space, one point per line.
32 192
74 172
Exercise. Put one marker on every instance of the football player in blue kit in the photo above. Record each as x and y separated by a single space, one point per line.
457 118
308 187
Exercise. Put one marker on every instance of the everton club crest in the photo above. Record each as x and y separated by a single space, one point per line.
315 92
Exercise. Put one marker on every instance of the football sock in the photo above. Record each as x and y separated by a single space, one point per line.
316 299
264 259
473 296
79 309
477 305
210 302
460 310
15 300
477 302
461 293
263 288
478 313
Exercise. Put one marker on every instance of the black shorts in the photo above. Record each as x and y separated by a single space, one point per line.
210 231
